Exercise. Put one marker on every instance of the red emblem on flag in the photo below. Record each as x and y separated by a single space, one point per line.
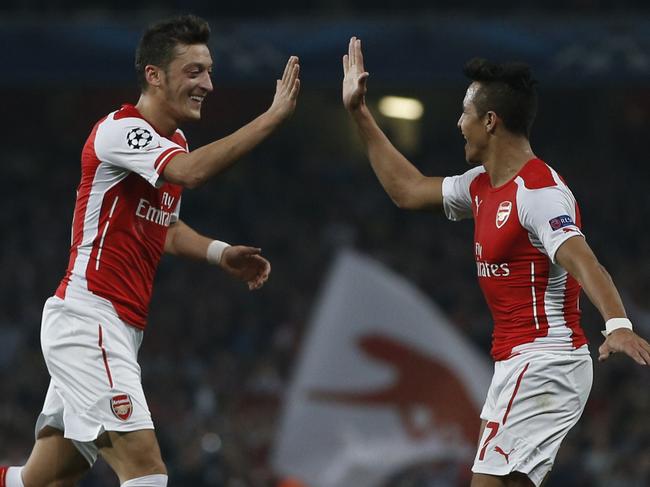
122 406
503 212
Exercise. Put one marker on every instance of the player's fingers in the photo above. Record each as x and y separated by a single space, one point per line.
636 356
262 266
351 53
645 355
359 53
604 352
295 90
346 64
250 252
293 76
287 68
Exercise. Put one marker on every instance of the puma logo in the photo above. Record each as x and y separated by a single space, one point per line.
447 400
478 203
501 452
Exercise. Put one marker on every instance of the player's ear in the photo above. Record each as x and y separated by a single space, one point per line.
491 120
153 75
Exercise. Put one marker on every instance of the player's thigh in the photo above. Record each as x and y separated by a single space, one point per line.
485 480
515 479
54 461
132 454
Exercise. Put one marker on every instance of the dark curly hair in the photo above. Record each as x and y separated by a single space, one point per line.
158 42
508 90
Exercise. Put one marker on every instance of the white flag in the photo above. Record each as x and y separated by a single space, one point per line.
384 382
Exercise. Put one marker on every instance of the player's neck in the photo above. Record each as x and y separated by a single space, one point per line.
506 157
156 114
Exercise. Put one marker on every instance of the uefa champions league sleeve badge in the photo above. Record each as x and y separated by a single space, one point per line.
138 138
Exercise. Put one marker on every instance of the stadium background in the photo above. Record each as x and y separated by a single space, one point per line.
216 359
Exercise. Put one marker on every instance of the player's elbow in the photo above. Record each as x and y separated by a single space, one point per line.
406 200
192 181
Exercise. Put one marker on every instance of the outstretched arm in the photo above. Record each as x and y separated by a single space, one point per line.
577 258
241 262
404 183
193 169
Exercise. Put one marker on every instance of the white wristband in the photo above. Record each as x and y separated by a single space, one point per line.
215 251
616 323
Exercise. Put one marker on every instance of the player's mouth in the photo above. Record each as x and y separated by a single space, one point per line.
197 99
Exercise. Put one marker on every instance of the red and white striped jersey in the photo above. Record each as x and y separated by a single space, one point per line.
122 214
518 228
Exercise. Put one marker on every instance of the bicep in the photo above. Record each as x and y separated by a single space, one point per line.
426 193
176 170
575 255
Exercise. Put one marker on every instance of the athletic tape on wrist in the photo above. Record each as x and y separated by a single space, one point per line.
616 323
215 251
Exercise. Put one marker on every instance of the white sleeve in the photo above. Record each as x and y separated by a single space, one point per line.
456 199
549 214
132 144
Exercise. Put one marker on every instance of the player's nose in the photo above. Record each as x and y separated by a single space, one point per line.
206 83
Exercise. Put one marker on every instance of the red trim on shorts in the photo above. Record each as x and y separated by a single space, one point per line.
514 393
108 370
3 476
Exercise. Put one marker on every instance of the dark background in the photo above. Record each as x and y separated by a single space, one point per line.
217 360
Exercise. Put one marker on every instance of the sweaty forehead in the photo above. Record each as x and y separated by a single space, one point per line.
192 54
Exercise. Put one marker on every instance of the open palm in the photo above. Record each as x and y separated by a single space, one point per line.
354 76
286 90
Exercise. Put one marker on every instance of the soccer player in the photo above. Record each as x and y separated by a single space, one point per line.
531 260
134 166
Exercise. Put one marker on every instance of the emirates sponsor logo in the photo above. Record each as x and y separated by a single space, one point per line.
486 269
122 406
503 213
152 214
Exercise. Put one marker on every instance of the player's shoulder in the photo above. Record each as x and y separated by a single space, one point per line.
127 125
127 118
474 173
125 130
537 174
477 177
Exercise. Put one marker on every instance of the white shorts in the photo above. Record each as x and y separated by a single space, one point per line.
533 401
95 384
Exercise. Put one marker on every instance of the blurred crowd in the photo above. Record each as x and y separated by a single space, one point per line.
217 360
324 7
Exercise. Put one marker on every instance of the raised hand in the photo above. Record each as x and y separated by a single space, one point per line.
286 91
246 264
354 76
627 342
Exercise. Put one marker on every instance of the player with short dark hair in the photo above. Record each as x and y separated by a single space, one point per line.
157 45
508 89
531 260
134 166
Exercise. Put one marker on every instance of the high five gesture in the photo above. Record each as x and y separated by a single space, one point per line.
354 76
286 91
